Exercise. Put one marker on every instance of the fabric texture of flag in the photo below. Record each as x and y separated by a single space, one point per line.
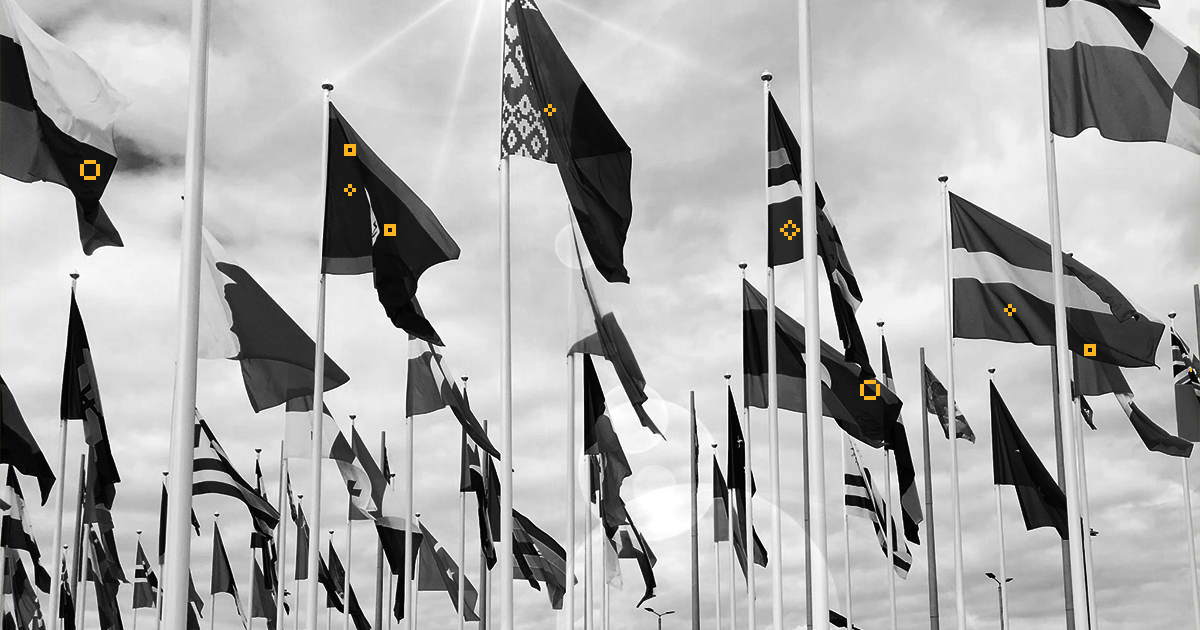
302 541
362 196
223 579
863 500
16 530
629 543
335 579
145 583
58 115
433 386
998 267
162 524
213 473
28 612
896 440
720 504
593 160
1014 463
1185 367
843 382
935 403
262 599
99 572
473 481
785 241
356 611
1116 70
601 440
439 572
377 482
539 558
104 555
239 320
1095 379
18 446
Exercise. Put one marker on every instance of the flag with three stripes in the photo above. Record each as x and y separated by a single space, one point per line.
864 501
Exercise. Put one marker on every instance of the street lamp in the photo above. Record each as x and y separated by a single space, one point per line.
659 615
999 593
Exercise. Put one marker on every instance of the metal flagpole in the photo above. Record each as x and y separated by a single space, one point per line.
349 545
1069 606
462 535
158 609
410 583
281 534
77 533
212 597
846 530
318 406
960 607
251 590
604 590
729 519
81 612
59 504
694 455
379 595
296 617
1003 581
485 604
717 556
930 550
1075 533
415 590
183 412
1090 572
589 599
890 528
751 548
505 552
571 460
1187 495
812 334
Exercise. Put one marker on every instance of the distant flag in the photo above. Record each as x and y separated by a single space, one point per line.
842 380
239 320
262 598
736 463
28 612
99 567
356 611
104 556
472 480
1014 463
162 523
906 473
863 500
1186 368
335 579
302 542
145 583
223 580
1085 410
1114 69
297 432
1002 291
601 440
439 572
720 504
18 446
539 558
785 237
630 543
1095 379
550 115
387 467
16 530
66 599
59 115
374 223
291 498
377 481
215 474
433 386
935 403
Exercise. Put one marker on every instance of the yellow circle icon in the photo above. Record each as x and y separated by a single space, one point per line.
862 390
83 170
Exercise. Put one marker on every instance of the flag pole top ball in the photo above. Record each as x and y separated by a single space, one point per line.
991 372
766 75
164 473
328 87
879 323
257 451
300 496
216 514
728 376
463 378
352 417
1171 315
742 266
75 275
943 179
139 532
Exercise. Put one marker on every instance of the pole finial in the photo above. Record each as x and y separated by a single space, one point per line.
327 86
728 376
300 496
74 274
139 532
1171 315
742 266
352 417
216 514
165 473
991 372
463 378
257 451
879 323
766 75
943 179
714 446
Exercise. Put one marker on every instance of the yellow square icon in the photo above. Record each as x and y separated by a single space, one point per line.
1089 349
351 150
389 229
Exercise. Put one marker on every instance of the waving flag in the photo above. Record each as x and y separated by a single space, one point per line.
145 584
1014 463
18 446
1095 378
439 572
539 558
432 386
936 404
16 531
223 580
215 474
864 500
1185 367
896 440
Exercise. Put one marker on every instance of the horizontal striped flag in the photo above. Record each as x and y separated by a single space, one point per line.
1004 290
213 473
1185 367
1114 69
863 500
1014 463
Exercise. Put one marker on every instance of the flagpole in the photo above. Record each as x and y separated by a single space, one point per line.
930 550
1089 566
960 607
589 595
1075 533
846 530
1003 581
379 596
462 535
410 583
349 546
571 460
178 551
730 521
251 590
415 586
604 592
296 617
505 552
281 553
212 596
747 486
1068 588
1187 495
485 603
77 559
717 553
695 465
54 609
59 504
812 333
81 613
158 609
891 533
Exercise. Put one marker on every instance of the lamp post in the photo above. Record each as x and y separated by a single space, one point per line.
659 615
999 593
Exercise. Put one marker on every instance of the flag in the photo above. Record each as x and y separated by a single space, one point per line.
629 543
595 330
58 121
472 480
16 530
844 383
785 240
301 544
28 612
539 558
223 580
1085 410
66 600
262 599
432 386
18 446
104 556
213 473
601 440
81 401
739 540
736 451
375 223
145 584
387 468
1095 379
720 504
239 320
356 611
378 482
162 523
863 500
896 440
291 498
1114 69
550 115
935 403
439 572
998 267
333 577
297 432
1185 367
106 588
1014 463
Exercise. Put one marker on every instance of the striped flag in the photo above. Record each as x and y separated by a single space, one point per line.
1114 69
16 531
539 558
145 584
864 501
1003 290
433 386
215 474
1185 366
896 439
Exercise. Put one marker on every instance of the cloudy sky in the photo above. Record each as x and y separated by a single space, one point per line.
904 92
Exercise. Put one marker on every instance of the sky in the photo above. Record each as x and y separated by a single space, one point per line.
903 92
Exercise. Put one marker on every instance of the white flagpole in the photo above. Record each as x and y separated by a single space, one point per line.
251 590
960 608
571 460
1191 534
59 504
604 589
729 519
281 534
812 334
212 597
183 412
846 530
717 557
86 548
415 590
462 536
1000 537
505 552
318 406
751 548
1070 450
299 613
410 585
1090 572
930 549
890 528
589 598
349 545
772 404
158 610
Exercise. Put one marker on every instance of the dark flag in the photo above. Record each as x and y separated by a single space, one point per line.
863 500
375 223
630 544
439 572
25 601
333 592
16 532
550 115
58 121
896 440
999 267
601 440
106 588
262 598
935 403
1014 463
432 386
843 382
367 464
1185 367
720 504
66 599
736 451
539 558
145 584
472 480
739 540
104 555
785 242
18 446
337 574
356 611
162 524
213 473
1114 69
241 321
1095 379
301 544
223 580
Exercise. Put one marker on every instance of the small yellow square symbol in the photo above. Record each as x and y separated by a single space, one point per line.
1089 349
389 229
351 150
